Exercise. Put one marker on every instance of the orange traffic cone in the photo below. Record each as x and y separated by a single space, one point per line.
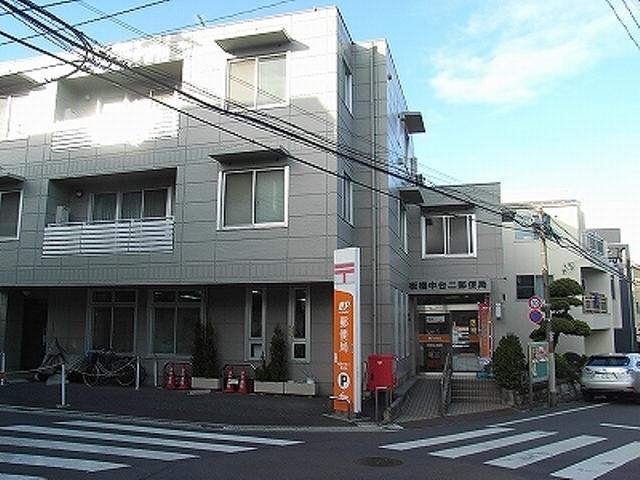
229 387
171 378
184 383
242 387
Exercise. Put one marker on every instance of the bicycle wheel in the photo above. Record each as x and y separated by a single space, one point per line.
91 377
126 372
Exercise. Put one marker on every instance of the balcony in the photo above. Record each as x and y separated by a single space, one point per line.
124 237
595 302
126 122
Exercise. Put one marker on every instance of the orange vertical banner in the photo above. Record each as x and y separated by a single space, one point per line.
347 381
484 321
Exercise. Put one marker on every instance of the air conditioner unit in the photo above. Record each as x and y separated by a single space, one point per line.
62 214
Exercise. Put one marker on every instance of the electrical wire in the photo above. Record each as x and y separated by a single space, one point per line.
125 66
624 25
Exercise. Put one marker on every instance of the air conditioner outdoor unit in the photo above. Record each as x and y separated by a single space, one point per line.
62 214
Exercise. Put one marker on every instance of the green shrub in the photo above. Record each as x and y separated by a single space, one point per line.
576 360
565 370
203 355
278 359
277 368
509 362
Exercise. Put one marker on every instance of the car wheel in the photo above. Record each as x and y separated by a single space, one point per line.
587 396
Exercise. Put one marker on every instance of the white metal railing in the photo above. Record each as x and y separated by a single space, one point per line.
148 235
594 302
128 122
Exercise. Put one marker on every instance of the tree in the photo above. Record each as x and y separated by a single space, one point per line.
278 359
508 362
203 357
565 293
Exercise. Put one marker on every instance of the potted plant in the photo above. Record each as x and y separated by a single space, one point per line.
203 359
271 377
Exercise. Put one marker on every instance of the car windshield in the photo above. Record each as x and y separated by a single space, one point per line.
608 361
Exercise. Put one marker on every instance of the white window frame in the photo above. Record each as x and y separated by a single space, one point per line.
402 226
231 103
91 304
347 87
346 198
5 119
222 189
19 191
249 340
401 323
306 341
119 194
175 305
472 237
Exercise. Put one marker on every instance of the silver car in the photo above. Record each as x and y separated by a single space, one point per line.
611 375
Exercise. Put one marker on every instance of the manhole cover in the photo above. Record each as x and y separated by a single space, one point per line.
379 462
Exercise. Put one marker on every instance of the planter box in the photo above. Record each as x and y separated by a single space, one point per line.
300 388
269 387
206 383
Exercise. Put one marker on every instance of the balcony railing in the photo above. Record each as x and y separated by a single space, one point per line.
128 122
595 302
149 235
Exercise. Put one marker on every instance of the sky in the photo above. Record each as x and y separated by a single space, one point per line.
540 95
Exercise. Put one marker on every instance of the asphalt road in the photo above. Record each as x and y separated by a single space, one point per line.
578 441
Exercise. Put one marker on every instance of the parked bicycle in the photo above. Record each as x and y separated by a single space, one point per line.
106 365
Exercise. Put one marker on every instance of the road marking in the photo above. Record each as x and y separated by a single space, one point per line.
544 452
472 449
547 415
57 462
164 442
9 476
428 442
624 427
93 448
600 464
181 433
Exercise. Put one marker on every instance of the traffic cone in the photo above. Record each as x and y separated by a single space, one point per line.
184 383
171 378
242 387
229 387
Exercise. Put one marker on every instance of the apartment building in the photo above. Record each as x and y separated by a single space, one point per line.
457 275
523 274
129 213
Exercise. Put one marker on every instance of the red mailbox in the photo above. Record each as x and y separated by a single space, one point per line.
382 372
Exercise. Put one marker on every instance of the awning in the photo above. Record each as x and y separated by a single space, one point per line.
15 84
7 175
413 122
411 195
254 40
242 155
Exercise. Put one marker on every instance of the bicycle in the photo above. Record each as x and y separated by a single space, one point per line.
108 365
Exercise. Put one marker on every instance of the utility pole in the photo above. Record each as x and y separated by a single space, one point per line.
543 229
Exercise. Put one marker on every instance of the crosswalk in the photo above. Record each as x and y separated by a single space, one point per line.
491 439
111 446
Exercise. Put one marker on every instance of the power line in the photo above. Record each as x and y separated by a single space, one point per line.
126 68
624 25
631 13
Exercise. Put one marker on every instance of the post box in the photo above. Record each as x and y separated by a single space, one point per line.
382 372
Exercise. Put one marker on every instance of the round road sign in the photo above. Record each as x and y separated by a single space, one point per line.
535 302
536 315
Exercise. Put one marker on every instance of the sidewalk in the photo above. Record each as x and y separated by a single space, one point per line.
212 408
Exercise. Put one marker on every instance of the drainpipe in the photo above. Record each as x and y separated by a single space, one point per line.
374 201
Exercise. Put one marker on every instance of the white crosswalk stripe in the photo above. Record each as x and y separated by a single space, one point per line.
588 469
93 448
11 476
110 439
527 457
598 465
182 433
163 442
58 462
466 450
428 442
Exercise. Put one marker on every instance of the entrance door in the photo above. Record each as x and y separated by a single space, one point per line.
34 329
